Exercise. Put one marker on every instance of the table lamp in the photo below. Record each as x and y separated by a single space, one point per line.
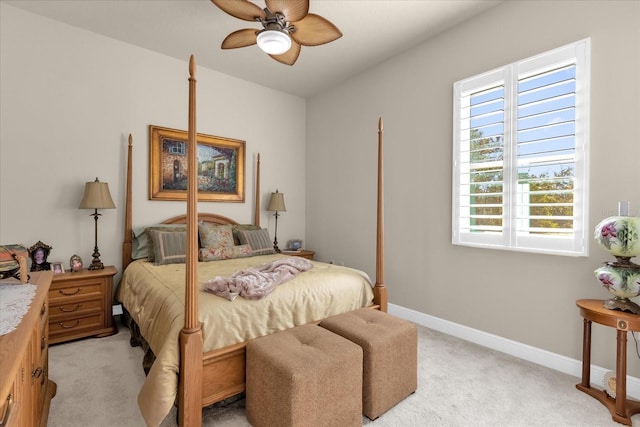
276 204
620 236
96 196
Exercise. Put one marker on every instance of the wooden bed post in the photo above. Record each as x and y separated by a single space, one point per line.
380 290
128 227
190 382
256 214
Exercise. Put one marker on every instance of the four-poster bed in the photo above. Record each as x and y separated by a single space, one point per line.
209 356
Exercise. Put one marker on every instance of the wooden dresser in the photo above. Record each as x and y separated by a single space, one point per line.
80 304
25 388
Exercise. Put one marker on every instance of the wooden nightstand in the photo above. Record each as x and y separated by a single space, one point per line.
301 253
80 305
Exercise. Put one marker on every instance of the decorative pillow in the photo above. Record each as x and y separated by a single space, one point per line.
236 228
216 254
141 245
215 236
259 241
169 247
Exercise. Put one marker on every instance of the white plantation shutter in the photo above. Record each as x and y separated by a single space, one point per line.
520 155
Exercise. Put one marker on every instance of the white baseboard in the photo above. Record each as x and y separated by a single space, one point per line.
523 351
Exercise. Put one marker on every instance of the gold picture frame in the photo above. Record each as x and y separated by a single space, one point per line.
221 164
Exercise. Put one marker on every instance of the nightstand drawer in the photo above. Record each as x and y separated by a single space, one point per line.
75 291
75 328
65 310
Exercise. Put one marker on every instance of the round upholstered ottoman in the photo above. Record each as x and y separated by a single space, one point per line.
390 351
305 376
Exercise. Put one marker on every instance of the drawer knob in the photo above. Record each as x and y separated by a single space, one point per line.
37 372
70 293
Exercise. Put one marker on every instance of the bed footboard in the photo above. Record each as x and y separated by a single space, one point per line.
223 373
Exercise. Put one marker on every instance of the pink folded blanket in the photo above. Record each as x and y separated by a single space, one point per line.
258 282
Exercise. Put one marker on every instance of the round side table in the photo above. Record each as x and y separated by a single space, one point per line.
593 310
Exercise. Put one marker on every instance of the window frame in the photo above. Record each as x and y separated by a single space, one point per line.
509 76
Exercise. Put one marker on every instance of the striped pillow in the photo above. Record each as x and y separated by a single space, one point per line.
258 240
169 247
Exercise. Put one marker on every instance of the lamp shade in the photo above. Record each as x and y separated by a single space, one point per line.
274 42
96 196
276 204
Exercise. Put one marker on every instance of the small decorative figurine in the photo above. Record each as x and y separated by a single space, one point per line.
75 263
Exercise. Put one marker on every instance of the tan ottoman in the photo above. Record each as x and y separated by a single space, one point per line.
390 351
305 376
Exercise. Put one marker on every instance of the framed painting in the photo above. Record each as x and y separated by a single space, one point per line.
221 166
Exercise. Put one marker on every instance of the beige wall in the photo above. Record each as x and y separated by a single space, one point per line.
523 297
69 99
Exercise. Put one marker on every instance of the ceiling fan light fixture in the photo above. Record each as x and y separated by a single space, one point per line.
274 42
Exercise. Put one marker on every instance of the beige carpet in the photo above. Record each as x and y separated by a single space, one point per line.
459 384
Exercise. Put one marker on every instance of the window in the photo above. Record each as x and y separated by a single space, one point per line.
520 155
175 147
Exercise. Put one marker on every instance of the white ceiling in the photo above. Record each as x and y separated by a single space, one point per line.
373 31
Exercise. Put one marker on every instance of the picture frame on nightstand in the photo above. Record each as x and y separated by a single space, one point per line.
295 245
57 268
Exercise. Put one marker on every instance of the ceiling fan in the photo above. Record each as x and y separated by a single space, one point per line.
287 26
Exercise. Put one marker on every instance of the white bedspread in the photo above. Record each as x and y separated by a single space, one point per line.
154 296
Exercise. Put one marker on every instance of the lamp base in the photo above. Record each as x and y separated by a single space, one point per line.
96 264
622 304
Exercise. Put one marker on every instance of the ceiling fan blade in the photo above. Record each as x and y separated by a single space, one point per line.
241 9
240 38
314 30
289 57
292 10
